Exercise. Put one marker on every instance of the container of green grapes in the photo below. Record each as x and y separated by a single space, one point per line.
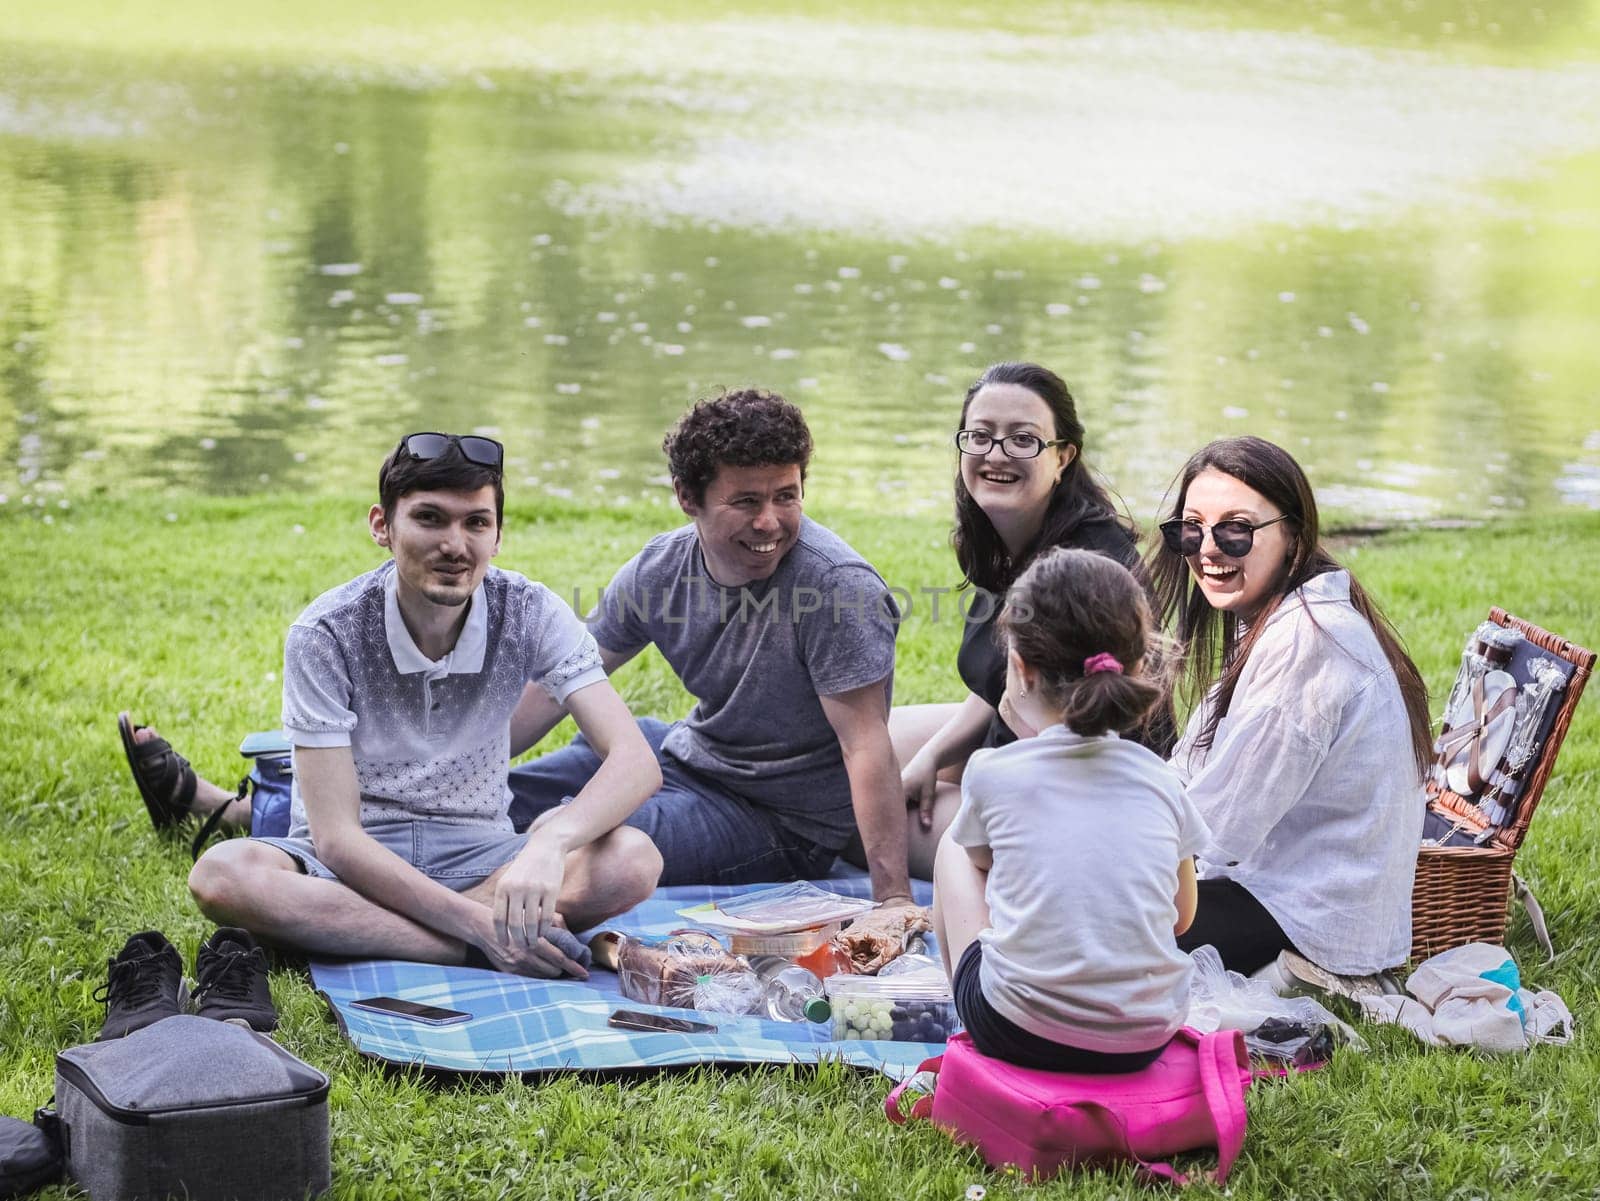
914 1008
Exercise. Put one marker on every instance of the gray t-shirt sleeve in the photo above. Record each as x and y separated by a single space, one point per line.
618 622
316 689
847 641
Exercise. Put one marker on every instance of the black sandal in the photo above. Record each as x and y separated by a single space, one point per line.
165 779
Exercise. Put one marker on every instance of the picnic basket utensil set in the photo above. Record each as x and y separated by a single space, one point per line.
1509 712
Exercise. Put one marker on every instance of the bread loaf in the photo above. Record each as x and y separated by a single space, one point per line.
665 971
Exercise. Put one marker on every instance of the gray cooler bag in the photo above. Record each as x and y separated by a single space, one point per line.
192 1107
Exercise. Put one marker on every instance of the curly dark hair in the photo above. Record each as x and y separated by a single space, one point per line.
748 428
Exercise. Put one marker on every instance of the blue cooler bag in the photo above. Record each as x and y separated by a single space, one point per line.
270 779
268 786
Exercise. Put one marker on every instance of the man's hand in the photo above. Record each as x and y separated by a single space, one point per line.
542 959
860 719
524 902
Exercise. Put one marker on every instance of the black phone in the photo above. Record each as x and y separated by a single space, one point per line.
415 1011
633 1019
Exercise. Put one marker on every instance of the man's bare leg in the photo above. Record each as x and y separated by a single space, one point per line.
258 887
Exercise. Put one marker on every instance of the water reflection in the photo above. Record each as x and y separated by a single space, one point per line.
232 278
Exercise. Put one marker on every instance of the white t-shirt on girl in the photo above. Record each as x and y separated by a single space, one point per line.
1086 834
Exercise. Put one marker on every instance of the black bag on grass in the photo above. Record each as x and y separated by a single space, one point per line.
30 1155
193 1107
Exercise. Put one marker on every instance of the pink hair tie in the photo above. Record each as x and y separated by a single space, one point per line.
1101 662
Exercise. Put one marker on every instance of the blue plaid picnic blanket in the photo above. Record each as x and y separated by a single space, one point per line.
525 1026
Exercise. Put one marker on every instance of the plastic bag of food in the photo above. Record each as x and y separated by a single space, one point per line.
1288 1031
666 971
782 907
730 992
876 938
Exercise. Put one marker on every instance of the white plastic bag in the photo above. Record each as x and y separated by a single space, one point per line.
1294 1031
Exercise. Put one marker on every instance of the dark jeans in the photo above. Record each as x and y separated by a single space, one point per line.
706 835
999 1037
1239 926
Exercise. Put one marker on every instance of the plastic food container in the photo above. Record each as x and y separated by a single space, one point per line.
790 945
913 1008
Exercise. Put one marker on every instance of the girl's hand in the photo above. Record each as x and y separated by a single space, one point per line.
920 780
1009 715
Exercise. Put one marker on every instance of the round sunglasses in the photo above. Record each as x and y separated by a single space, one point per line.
1234 537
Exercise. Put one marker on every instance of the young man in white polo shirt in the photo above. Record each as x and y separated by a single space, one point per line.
398 688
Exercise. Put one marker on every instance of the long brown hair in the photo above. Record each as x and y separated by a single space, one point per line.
1216 653
1077 498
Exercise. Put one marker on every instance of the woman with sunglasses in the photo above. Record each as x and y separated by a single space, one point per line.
1022 488
1306 752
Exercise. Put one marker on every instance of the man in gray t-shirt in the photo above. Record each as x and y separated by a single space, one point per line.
784 636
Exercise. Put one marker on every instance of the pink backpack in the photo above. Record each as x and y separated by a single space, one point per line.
1191 1097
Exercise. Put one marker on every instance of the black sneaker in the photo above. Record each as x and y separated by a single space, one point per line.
231 975
144 984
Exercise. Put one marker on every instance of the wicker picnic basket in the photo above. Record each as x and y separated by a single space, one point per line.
1462 893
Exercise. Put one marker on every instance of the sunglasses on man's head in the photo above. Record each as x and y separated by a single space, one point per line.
1234 537
485 452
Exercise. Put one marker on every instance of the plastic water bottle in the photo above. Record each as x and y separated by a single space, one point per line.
793 994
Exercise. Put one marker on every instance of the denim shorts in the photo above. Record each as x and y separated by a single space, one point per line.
706 835
456 856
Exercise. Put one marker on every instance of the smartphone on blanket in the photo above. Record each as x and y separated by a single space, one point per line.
415 1011
633 1019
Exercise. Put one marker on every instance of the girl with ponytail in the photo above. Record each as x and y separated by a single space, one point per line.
1062 883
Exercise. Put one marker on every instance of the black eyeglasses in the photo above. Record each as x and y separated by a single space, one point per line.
1013 446
485 452
1234 537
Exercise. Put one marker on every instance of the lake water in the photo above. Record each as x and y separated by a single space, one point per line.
240 253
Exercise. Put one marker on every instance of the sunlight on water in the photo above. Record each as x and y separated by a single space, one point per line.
238 250
1114 136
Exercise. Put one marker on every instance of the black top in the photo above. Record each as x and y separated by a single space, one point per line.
982 661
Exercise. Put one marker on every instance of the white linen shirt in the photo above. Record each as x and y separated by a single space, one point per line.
1310 786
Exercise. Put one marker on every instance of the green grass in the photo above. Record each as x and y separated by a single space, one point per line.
176 610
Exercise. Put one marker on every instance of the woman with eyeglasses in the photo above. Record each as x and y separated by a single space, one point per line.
1022 488
1306 751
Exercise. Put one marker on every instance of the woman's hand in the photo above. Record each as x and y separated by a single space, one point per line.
920 780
